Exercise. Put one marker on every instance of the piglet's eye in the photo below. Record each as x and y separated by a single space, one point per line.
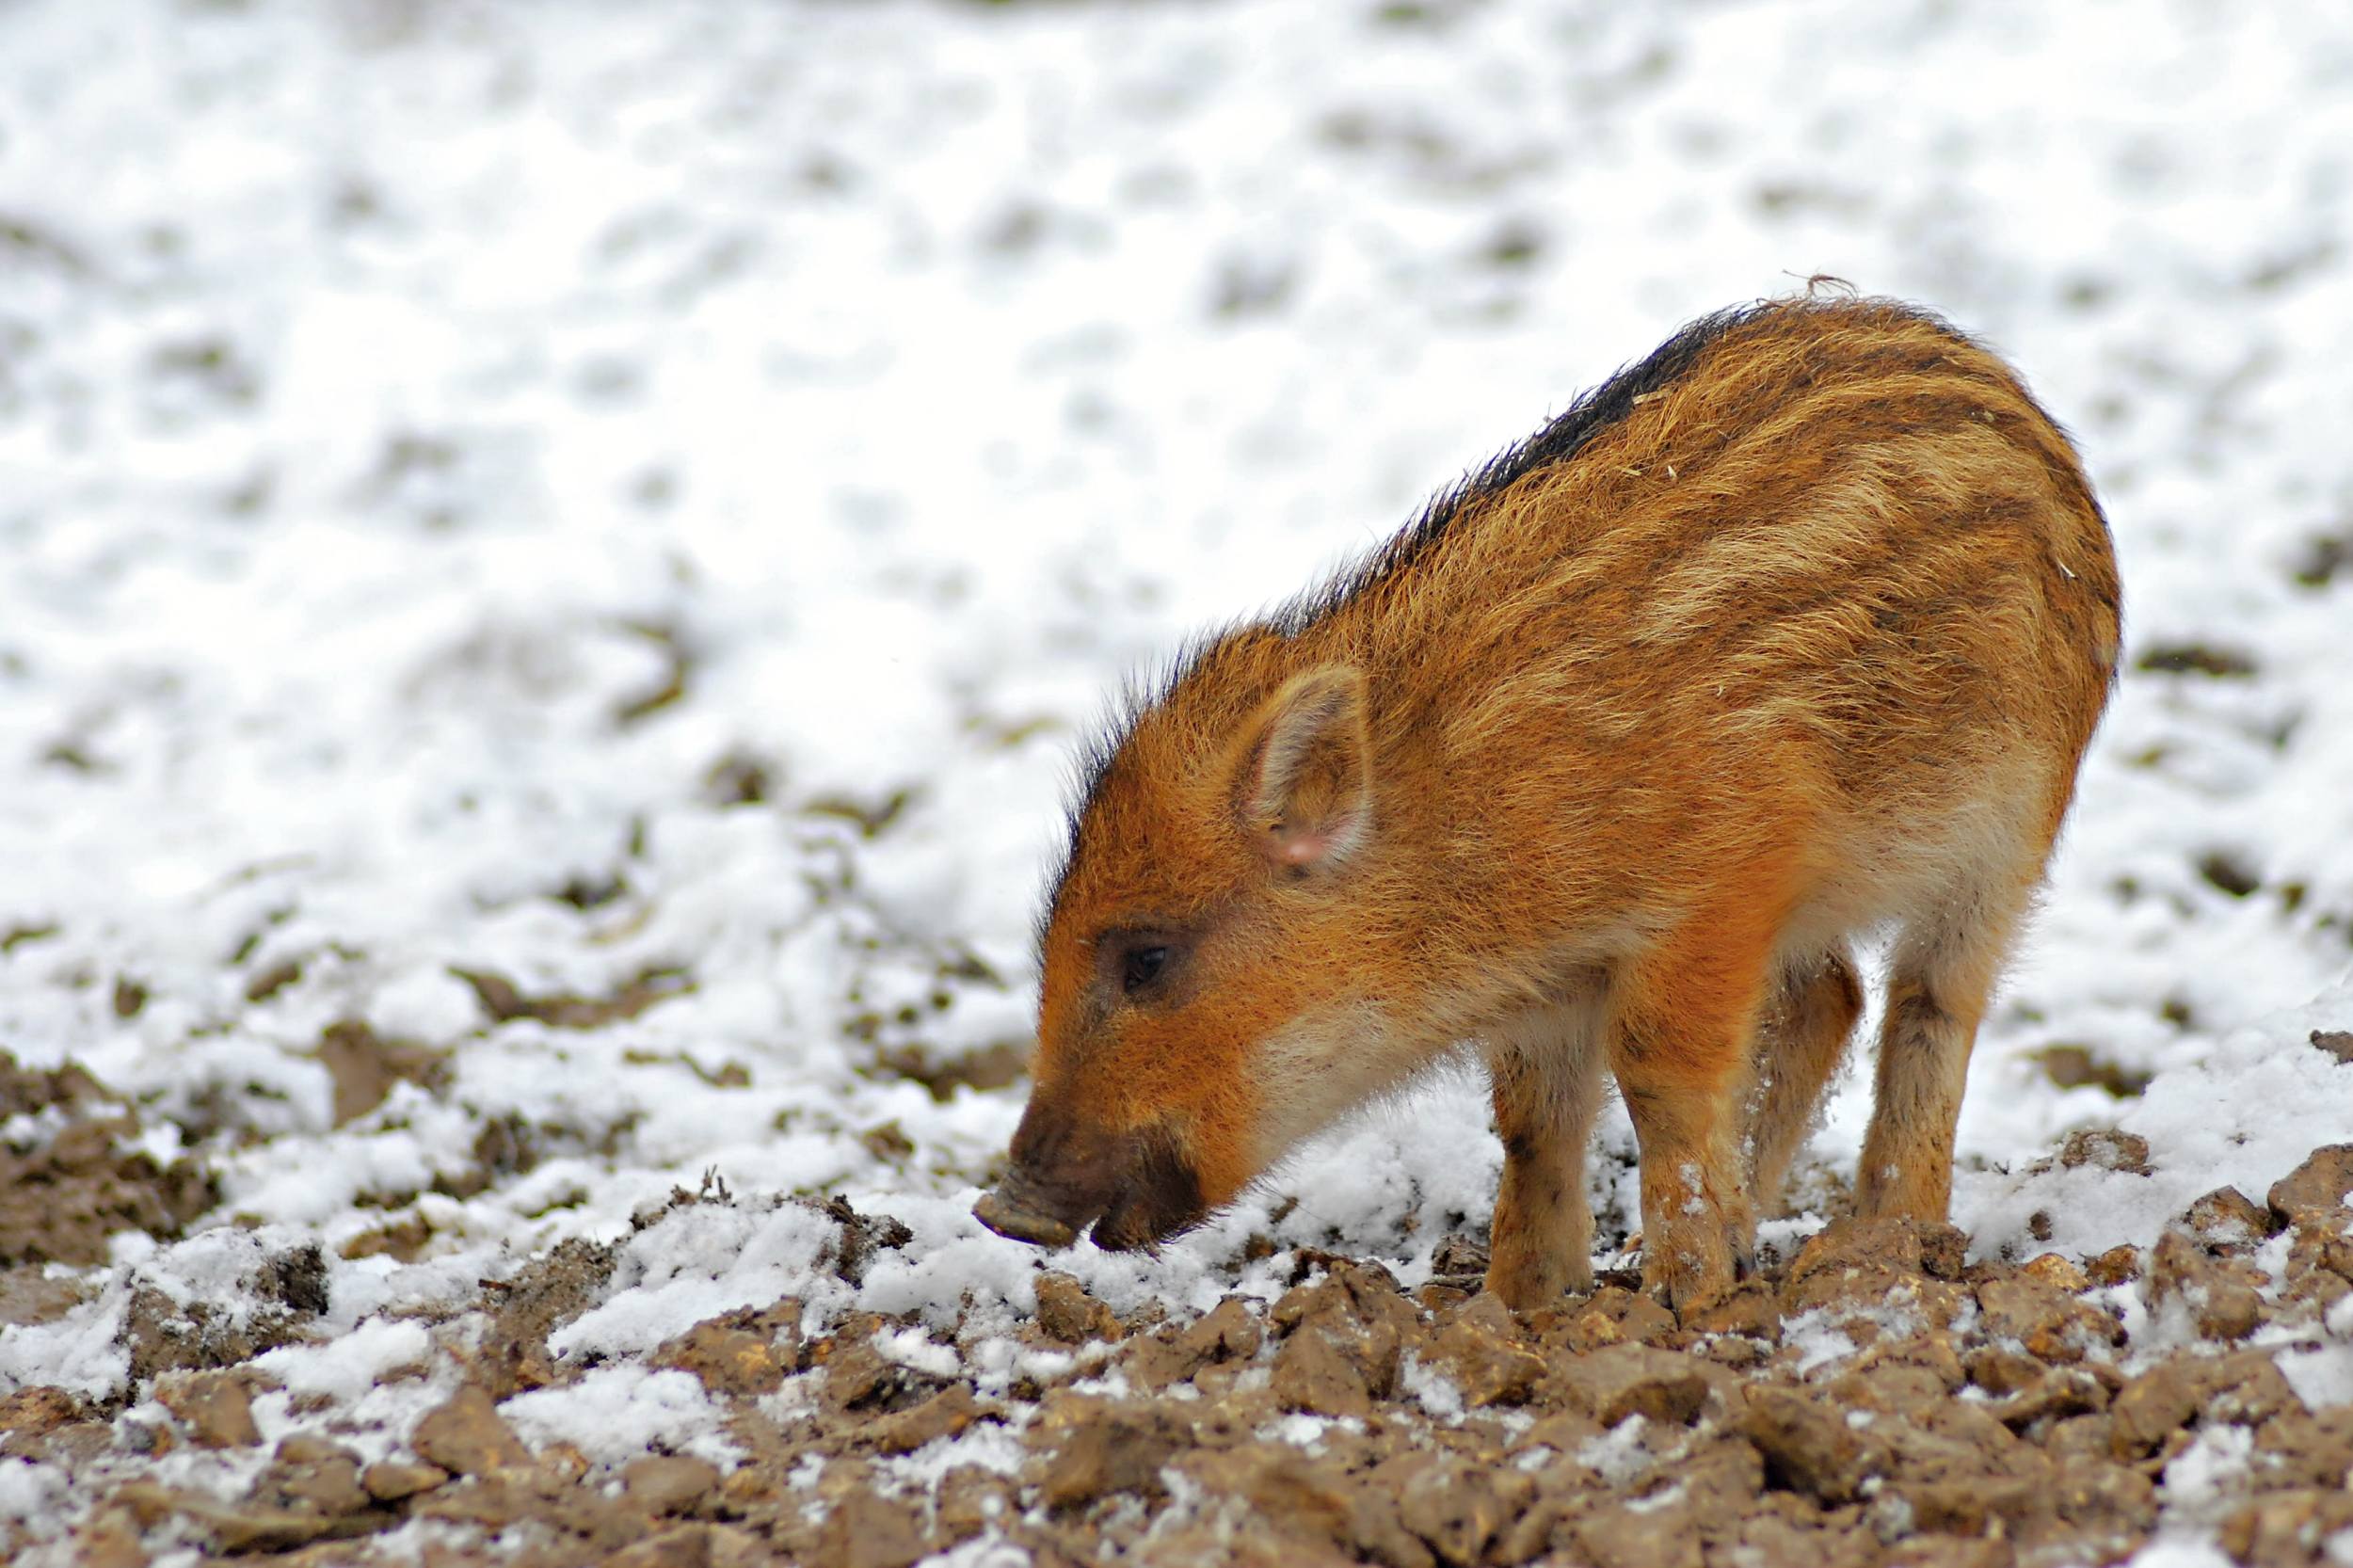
1141 966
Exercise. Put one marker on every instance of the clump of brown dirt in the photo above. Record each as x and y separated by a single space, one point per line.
364 1066
547 1293
504 1002
76 1185
287 1291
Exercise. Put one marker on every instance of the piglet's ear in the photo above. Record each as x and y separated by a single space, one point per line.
1305 788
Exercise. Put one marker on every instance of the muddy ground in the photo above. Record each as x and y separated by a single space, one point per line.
1873 1400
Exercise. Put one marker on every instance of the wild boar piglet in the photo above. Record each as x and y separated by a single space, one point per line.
1793 631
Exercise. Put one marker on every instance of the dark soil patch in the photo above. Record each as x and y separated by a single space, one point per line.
503 1001
2220 664
63 1196
992 1066
2072 1066
365 1067
545 1295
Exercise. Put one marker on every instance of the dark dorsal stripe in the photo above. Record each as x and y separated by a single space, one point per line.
1560 439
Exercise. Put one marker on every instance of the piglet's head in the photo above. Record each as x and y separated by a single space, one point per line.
1196 959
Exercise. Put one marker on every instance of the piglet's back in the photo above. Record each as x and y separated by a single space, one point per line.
1816 569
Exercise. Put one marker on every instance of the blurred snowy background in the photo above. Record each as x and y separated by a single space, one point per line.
551 558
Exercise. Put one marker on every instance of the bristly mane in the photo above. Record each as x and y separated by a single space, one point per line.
1560 439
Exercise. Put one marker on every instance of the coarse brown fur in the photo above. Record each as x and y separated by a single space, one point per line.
1794 631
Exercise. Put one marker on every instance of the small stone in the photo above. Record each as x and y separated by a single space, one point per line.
2081 1439
110 1539
1358 1287
729 1360
1612 1316
1855 1243
38 1410
2001 1371
1944 1251
1612 1384
2106 1149
316 1473
2301 1448
946 1414
564 1462
2059 1272
2313 1194
1361 1315
1779 1536
968 1499
468 1437
2319 1267
329 1487
1966 1508
2227 1218
2150 1408
1226 1332
2088 1491
216 1408
2052 1324
1720 1483
309 1447
2059 1393
1067 1313
2281 1531
668 1483
1853 1262
1311 1375
1617 1536
1458 1507
1808 1448
1740 1352
866 1529
1219 1382
1904 1373
686 1546
1749 1309
1564 1432
1592 1330
238 1528
1374 1526
1102 1447
2118 1265
1461 1256
1152 1362
2222 1303
76 1442
2247 1388
390 1479
857 1376
1479 1351
1315 1511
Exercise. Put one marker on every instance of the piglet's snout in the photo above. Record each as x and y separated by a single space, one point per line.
1013 1211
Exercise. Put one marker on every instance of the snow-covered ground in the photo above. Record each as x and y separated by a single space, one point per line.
598 495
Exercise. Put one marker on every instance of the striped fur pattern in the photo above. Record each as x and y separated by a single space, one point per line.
1794 631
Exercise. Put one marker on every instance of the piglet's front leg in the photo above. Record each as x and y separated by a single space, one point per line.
1546 1069
1679 1031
